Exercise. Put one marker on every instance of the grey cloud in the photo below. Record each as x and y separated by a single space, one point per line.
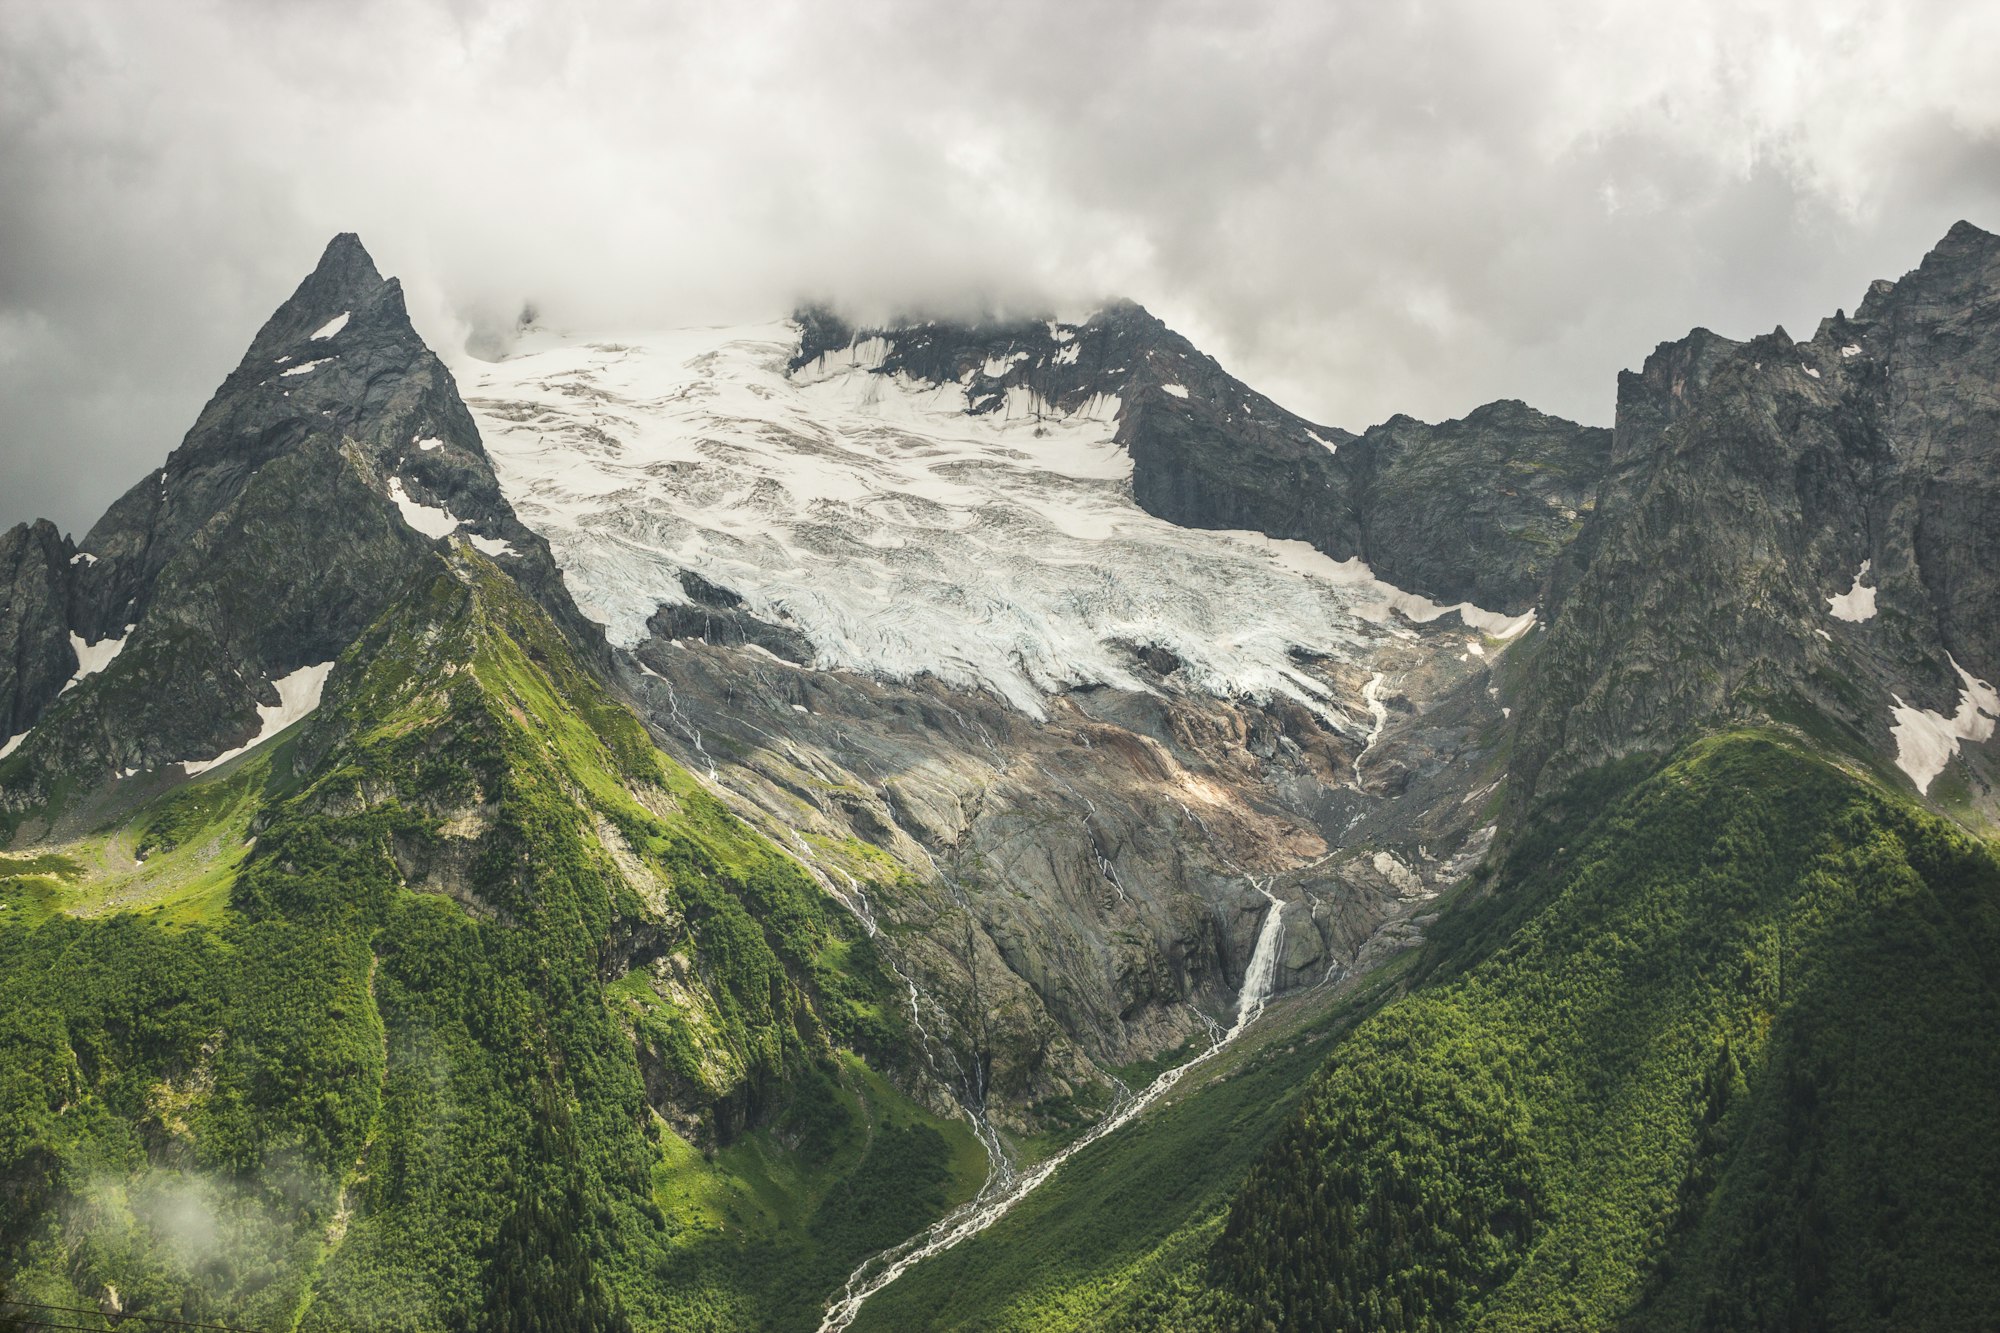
1360 208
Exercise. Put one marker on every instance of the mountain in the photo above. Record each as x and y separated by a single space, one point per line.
1469 510
1707 1041
998 824
293 513
900 589
440 974
1801 531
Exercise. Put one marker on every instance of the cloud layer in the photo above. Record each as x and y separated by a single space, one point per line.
1360 208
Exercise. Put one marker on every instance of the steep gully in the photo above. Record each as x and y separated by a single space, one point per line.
1004 1188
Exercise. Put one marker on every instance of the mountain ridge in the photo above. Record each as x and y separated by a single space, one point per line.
688 963
1211 452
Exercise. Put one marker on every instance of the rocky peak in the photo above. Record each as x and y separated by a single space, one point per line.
344 283
1759 484
36 658
305 495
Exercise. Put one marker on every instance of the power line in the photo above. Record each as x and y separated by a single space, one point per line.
116 1319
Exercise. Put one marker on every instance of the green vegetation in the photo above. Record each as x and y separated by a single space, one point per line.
1115 1219
461 1007
1717 1047
501 1022
1719 1053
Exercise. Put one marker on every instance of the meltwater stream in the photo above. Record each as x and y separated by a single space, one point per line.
1003 1189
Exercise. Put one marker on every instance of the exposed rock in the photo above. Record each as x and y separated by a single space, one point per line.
1477 510
716 615
36 658
285 522
1751 483
1079 893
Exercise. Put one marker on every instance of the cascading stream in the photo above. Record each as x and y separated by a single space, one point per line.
970 1219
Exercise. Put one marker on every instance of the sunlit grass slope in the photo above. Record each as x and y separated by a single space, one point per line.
462 1005
1721 1050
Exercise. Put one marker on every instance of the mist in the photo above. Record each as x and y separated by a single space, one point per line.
1360 209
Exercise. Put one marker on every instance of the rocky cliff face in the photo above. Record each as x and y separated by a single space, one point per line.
1081 892
1478 509
38 658
1803 530
321 471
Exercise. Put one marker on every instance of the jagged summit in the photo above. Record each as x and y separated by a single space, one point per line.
344 290
1795 529
315 478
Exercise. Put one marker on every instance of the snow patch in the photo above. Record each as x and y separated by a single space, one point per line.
427 519
92 658
1809 370
1321 440
1926 741
15 743
494 546
429 445
1177 390
332 326
306 367
83 558
298 696
1851 350
1857 603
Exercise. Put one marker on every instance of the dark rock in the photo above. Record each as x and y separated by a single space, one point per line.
267 542
704 593
1749 483
36 659
717 615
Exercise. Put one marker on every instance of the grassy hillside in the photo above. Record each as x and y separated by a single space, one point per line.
459 1007
1720 1051
1723 1054
1116 1218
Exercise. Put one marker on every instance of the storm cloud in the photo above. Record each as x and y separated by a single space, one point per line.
1360 208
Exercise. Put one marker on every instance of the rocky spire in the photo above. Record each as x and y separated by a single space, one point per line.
316 478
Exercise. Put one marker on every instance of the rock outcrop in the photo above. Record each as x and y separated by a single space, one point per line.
1802 531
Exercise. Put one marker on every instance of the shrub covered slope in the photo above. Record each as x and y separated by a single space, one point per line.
499 1022
1721 1051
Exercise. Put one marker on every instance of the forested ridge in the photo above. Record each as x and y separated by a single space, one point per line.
1721 1054
499 1021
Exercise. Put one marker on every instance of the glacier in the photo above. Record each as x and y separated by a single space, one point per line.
902 535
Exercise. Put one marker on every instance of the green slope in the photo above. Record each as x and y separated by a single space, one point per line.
1722 1051
462 1007
1723 1054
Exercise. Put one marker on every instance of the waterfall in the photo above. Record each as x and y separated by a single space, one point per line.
993 1203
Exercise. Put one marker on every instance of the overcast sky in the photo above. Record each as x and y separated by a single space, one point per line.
1360 208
